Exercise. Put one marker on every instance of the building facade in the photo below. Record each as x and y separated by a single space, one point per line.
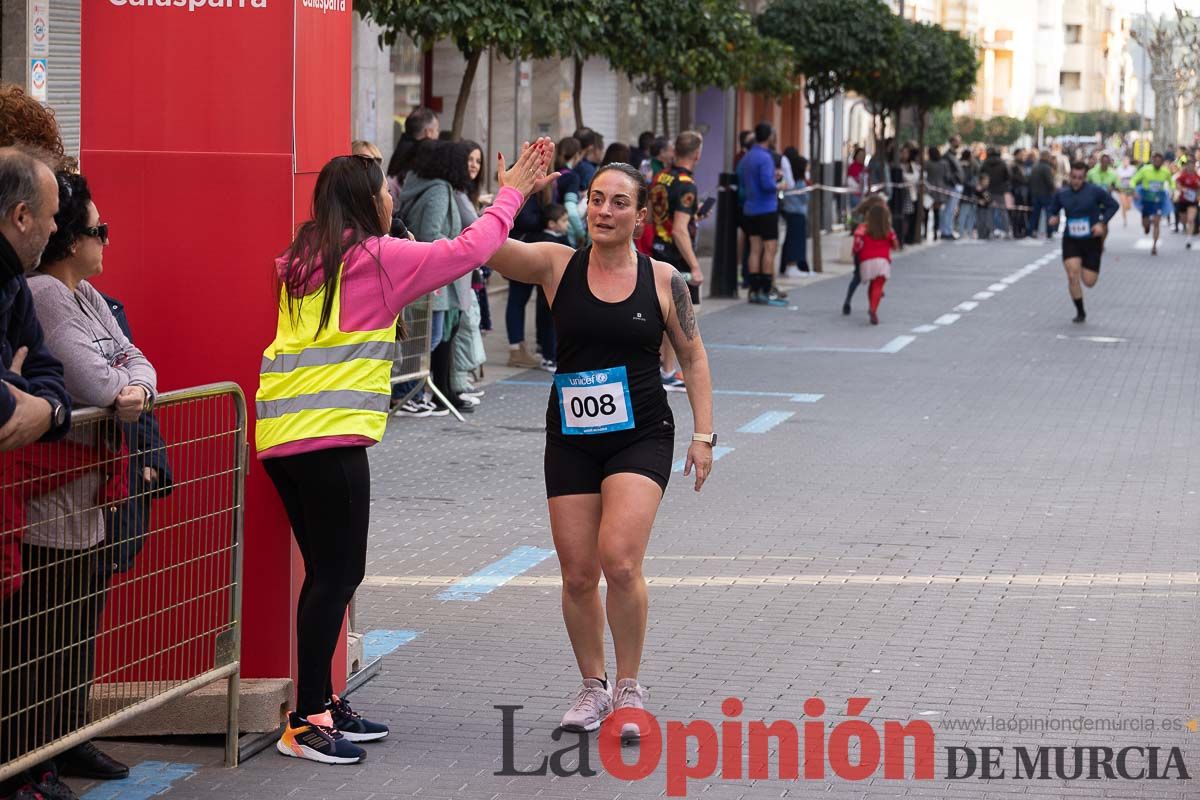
40 51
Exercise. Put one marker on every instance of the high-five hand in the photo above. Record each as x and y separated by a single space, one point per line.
528 174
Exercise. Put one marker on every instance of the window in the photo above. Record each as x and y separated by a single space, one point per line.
1069 81
1074 34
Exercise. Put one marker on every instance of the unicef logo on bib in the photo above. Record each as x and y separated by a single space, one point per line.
594 402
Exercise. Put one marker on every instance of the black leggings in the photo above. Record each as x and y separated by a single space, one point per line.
855 280
327 494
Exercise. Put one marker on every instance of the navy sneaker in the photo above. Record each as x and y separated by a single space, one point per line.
352 725
318 741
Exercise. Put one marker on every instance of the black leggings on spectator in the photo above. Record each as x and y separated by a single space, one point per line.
327 495
441 363
855 280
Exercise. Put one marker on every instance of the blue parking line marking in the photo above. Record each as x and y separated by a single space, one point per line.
795 397
719 452
496 574
147 779
766 421
379 643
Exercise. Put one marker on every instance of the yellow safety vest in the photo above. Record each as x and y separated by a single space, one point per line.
323 382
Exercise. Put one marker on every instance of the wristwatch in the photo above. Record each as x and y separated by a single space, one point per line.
707 438
58 413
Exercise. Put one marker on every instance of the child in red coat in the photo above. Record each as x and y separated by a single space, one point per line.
874 241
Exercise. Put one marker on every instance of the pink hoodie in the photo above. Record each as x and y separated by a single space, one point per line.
373 297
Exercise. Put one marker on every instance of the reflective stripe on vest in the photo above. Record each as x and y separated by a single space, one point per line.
316 383
323 356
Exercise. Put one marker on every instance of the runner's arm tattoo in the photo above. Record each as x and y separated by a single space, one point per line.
683 306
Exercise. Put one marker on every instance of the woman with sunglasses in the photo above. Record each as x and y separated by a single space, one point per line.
323 398
63 546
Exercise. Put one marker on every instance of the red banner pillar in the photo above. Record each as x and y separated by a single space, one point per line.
204 125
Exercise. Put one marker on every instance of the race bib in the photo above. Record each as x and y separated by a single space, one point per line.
1156 186
594 402
1079 227
1189 195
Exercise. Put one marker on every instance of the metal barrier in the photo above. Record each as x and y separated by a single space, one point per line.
413 353
94 629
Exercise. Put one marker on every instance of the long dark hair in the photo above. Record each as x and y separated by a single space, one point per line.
797 162
460 178
344 213
879 221
431 159
617 153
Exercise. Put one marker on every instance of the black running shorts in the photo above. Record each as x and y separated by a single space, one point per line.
579 464
765 226
1087 250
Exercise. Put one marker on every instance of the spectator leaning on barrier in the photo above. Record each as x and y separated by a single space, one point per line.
64 543
33 402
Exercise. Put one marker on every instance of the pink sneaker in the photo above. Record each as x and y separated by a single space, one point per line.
592 706
630 694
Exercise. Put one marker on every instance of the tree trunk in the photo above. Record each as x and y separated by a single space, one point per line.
464 94
666 123
921 212
816 198
577 93
1165 108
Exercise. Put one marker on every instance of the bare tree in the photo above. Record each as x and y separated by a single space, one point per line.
1171 45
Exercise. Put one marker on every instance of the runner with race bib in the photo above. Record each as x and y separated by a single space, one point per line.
610 433
1152 182
1189 188
1088 208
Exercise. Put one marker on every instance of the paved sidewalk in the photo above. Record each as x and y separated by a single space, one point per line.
975 511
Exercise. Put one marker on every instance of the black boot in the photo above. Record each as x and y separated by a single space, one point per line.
88 761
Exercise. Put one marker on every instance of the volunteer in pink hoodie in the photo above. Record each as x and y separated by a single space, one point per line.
323 398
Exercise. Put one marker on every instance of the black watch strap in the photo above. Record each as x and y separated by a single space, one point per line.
58 413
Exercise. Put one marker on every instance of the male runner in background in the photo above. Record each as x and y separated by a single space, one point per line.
1088 208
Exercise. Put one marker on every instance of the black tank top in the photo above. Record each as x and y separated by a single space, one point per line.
597 335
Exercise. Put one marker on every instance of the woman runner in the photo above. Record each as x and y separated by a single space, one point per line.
609 428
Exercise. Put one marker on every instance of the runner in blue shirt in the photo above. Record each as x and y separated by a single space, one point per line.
1088 208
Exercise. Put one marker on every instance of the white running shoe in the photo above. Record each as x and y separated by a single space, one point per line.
592 706
630 694
793 272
